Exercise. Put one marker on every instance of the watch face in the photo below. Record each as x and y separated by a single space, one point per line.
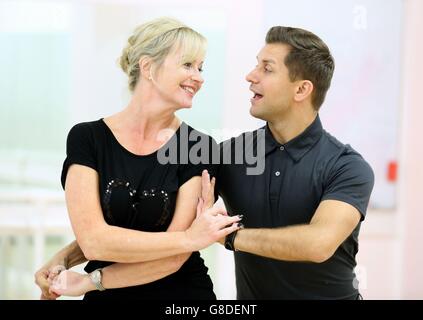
96 276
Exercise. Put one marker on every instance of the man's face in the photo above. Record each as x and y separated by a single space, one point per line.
273 91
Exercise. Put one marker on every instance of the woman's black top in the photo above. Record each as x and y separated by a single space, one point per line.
139 192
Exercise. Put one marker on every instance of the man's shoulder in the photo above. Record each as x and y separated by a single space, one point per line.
343 157
246 136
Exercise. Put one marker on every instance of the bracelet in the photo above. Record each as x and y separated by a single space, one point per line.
230 241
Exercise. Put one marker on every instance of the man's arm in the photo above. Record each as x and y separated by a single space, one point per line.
68 257
317 241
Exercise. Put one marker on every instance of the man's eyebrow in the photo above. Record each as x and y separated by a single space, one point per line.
267 60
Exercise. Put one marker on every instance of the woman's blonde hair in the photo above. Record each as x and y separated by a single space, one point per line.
155 39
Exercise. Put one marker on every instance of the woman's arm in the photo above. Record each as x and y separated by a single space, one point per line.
129 274
121 275
100 241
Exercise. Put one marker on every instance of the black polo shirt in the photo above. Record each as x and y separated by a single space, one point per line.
297 176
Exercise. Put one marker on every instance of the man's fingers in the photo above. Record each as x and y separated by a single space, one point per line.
55 271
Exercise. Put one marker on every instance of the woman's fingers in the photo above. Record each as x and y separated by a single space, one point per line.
210 193
205 184
224 221
214 211
228 230
207 189
200 207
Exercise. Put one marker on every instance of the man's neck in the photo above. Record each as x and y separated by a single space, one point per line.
287 128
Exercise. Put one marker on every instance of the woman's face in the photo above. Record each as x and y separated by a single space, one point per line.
177 81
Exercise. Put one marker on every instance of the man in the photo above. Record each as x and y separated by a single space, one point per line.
302 215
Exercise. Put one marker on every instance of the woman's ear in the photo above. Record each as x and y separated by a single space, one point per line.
304 90
145 65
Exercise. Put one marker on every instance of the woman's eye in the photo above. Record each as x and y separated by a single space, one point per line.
188 64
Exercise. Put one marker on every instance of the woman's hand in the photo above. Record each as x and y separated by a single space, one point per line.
211 224
207 190
207 194
70 283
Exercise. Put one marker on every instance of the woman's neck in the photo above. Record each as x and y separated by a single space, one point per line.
146 120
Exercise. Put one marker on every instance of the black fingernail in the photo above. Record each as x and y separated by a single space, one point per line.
241 216
240 225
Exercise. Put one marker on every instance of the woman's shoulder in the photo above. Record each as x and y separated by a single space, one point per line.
86 132
87 126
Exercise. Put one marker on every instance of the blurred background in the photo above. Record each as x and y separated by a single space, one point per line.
58 67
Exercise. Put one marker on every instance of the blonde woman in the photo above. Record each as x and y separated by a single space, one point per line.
134 217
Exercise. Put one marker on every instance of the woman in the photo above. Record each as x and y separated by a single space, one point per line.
121 199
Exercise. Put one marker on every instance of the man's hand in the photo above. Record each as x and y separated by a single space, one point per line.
45 274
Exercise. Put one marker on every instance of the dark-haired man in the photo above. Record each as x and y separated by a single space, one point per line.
302 215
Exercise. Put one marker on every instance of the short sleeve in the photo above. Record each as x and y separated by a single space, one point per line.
351 180
80 149
201 157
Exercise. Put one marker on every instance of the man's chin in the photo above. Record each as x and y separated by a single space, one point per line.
256 114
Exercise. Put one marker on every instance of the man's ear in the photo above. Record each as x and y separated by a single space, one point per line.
145 65
304 90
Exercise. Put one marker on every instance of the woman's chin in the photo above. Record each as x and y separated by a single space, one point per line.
186 106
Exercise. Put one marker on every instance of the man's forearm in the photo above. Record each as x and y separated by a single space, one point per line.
121 275
73 255
294 243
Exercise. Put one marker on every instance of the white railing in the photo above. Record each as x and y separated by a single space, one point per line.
33 213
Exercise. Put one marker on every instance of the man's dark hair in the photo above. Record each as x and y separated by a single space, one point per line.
309 59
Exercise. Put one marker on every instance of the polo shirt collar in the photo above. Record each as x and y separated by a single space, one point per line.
298 146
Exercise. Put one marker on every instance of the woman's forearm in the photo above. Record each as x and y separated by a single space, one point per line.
116 244
121 275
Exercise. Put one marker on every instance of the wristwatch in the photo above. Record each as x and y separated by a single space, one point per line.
95 278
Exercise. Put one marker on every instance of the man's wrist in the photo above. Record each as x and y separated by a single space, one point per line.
230 241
